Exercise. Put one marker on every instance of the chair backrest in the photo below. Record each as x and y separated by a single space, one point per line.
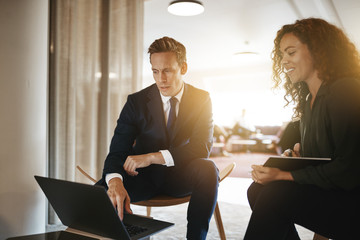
85 174
226 171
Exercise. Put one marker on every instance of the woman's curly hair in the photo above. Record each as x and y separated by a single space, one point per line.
333 54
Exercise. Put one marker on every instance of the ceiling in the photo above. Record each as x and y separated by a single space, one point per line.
230 26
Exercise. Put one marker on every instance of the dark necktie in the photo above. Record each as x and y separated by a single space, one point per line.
172 117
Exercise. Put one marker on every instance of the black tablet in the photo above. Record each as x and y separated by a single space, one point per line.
294 163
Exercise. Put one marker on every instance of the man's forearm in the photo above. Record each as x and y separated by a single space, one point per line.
156 158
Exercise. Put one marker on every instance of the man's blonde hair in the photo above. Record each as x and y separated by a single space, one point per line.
167 44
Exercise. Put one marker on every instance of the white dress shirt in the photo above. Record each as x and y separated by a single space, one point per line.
169 161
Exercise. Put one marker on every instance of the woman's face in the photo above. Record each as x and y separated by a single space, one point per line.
296 60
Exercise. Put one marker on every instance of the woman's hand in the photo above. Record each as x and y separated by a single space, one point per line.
263 175
292 153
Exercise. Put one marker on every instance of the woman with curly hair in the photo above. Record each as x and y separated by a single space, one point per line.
320 70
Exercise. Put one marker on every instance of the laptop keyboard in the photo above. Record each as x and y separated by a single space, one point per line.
134 230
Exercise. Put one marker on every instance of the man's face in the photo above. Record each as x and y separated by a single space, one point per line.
167 73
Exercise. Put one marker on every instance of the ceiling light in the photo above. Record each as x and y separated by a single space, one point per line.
186 8
246 57
246 53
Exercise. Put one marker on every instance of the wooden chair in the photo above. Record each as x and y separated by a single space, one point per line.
319 237
165 201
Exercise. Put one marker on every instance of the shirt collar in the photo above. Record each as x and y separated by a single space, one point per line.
178 96
322 91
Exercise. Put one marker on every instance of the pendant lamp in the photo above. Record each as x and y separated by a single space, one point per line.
186 8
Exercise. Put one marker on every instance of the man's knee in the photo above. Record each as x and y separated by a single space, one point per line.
207 169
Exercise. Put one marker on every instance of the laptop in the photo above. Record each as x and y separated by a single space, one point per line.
87 208
294 163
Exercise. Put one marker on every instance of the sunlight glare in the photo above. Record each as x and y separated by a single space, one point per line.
249 100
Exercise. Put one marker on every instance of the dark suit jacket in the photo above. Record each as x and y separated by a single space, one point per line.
141 129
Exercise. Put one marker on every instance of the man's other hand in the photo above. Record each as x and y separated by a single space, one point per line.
140 161
119 196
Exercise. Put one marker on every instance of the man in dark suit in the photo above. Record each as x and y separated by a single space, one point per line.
162 142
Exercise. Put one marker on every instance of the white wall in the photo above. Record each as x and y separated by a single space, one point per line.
23 115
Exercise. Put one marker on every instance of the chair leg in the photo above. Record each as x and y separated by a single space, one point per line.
148 211
319 237
219 222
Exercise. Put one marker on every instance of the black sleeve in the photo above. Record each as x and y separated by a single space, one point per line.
343 108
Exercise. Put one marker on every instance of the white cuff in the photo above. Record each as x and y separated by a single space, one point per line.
110 176
169 161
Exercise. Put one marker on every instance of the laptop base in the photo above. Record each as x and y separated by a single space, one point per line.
67 234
